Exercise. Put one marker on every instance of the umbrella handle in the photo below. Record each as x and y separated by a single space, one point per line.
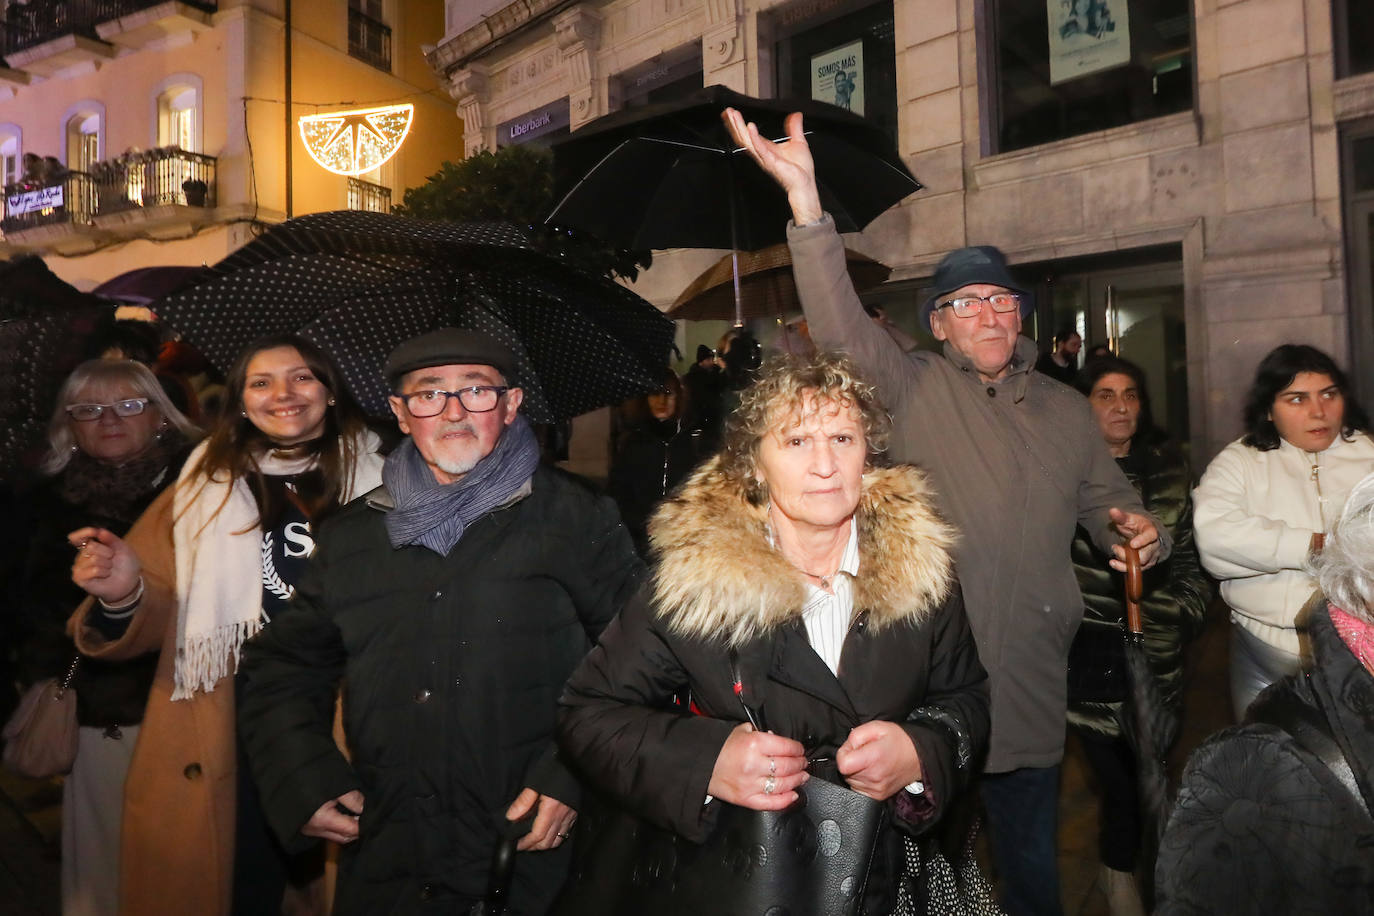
1135 587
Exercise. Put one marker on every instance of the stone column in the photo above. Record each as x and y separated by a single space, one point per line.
724 57
578 32
471 90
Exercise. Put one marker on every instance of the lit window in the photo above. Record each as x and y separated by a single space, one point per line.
176 118
83 141
10 163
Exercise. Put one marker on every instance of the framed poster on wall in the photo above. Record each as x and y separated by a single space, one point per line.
837 76
1087 36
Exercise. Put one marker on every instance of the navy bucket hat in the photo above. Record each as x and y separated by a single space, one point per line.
966 266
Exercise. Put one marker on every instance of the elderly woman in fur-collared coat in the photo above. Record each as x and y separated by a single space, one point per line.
832 580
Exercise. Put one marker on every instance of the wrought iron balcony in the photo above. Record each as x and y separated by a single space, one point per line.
70 198
369 40
160 177
364 195
29 24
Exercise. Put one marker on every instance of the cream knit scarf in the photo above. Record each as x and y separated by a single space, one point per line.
217 545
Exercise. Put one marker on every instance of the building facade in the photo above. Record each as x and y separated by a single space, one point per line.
1190 182
137 133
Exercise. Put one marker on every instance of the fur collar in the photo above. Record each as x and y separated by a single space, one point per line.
719 579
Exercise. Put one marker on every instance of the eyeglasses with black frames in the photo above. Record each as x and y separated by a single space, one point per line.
968 306
85 413
432 402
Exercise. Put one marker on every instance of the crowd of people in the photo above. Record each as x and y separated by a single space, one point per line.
884 579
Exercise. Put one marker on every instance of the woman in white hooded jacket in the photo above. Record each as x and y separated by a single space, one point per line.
1266 501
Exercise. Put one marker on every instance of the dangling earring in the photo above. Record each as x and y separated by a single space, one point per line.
331 402
161 431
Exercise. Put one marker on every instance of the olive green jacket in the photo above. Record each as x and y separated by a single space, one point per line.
1176 592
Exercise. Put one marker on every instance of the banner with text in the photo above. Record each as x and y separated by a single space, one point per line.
837 76
1087 36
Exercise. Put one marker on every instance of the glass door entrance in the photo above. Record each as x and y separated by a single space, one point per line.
1137 314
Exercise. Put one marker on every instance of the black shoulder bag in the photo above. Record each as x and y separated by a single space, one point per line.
812 859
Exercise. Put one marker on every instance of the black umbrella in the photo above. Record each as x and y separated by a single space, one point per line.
670 176
358 283
1150 722
45 326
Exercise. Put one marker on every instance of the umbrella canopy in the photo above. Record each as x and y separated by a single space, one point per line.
45 325
669 175
359 283
147 284
766 285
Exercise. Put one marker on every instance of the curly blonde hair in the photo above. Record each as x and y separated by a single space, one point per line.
778 397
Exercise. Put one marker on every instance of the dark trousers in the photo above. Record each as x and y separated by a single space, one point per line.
1118 825
1022 809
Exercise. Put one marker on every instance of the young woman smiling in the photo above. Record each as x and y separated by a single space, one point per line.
207 566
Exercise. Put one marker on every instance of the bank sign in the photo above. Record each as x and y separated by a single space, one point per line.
34 201
837 77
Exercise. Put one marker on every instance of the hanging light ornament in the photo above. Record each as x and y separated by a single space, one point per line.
353 142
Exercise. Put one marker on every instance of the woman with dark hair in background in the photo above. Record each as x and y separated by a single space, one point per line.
1174 607
659 447
1266 501
207 566
114 442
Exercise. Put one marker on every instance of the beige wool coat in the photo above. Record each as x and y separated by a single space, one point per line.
177 844
177 849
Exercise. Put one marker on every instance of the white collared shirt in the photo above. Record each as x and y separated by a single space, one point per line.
827 614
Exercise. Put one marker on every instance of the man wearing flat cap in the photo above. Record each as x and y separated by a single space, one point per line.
1018 463
453 602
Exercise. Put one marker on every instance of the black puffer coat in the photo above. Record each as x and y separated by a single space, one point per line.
909 658
653 458
452 669
1176 593
1261 824
42 595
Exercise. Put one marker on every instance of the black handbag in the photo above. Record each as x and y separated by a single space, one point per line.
812 859
1097 663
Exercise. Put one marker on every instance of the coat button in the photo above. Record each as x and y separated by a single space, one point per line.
426 891
192 771
992 392
422 695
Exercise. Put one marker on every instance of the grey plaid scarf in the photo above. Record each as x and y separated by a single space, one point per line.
435 515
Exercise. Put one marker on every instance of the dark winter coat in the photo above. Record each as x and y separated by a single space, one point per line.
108 693
1176 592
653 457
452 667
1017 464
1262 825
909 658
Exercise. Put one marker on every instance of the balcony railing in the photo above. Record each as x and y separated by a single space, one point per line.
364 195
70 199
38 21
369 40
158 178
167 175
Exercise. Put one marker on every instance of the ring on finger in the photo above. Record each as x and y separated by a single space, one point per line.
770 785
564 836
772 767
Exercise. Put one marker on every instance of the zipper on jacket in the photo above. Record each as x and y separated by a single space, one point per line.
1317 480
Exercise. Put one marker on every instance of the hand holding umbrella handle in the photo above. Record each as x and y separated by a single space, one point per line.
1135 586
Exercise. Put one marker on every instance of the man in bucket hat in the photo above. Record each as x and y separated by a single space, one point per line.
453 601
1018 462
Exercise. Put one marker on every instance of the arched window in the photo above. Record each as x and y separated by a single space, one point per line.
178 118
83 141
11 151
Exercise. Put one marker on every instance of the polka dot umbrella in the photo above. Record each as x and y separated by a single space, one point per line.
359 283
46 326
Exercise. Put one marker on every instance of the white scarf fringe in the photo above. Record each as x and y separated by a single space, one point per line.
217 546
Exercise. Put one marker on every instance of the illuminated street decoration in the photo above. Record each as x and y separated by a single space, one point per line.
353 142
